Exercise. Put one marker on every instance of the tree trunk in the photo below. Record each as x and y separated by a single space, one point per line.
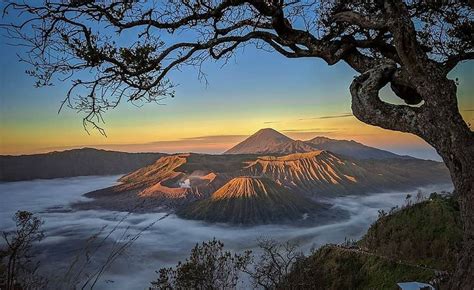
449 134
439 123
462 174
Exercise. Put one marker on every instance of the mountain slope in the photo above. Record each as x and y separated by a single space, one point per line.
161 182
269 141
428 233
170 182
177 180
322 172
250 200
351 148
296 146
309 172
333 267
263 141
76 162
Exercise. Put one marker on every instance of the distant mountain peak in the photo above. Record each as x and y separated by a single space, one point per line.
324 139
271 133
263 141
351 148
270 141
320 139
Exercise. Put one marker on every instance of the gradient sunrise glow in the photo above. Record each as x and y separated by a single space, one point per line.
301 98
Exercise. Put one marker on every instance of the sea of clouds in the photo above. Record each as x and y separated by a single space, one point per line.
168 240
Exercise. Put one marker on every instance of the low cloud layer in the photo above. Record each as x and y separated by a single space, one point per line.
170 239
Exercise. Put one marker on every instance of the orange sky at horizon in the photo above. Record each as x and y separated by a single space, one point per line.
200 133
304 100
216 141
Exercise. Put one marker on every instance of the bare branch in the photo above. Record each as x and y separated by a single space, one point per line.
360 20
454 60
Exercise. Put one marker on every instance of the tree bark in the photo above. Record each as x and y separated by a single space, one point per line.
438 122
461 165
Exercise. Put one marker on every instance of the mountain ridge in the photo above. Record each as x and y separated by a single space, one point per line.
270 141
74 162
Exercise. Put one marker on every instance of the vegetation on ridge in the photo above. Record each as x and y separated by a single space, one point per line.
428 233
418 242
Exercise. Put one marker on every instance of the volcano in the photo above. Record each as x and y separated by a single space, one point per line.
264 141
253 200
270 141
264 188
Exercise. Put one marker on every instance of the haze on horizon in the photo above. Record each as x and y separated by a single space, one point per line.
301 98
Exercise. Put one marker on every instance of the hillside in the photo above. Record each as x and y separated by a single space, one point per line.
416 243
250 200
76 162
335 268
434 230
294 146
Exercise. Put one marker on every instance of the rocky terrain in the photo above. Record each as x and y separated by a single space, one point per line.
267 178
244 188
255 200
262 142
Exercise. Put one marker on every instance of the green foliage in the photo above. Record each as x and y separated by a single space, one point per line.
333 267
427 233
403 245
208 267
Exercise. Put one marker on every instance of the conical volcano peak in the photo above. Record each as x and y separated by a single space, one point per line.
263 141
253 200
270 132
270 141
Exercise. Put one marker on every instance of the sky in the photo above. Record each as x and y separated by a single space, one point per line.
301 98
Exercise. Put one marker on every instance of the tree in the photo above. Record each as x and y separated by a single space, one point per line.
411 45
208 267
274 263
20 267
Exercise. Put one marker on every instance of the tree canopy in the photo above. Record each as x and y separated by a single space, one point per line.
115 50
126 49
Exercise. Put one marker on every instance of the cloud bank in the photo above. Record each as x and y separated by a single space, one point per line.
167 241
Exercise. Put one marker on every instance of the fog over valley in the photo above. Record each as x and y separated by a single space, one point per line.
168 240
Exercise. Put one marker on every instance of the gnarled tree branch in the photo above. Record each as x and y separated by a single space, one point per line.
370 109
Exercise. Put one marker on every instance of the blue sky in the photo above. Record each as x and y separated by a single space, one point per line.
256 89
